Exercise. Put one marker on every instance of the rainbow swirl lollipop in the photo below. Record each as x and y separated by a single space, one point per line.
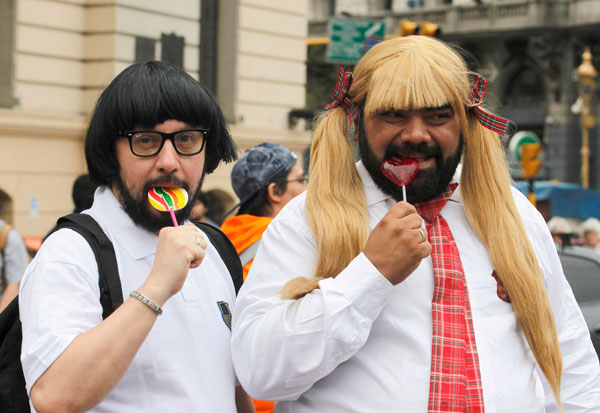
168 199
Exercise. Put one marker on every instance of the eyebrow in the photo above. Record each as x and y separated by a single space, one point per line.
443 107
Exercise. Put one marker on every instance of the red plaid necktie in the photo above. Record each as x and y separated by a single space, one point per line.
455 383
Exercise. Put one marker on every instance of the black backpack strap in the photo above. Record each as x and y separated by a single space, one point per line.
227 252
13 394
111 295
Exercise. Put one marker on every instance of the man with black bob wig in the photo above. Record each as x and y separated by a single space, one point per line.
154 125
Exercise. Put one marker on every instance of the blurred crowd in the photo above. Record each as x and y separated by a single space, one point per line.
586 234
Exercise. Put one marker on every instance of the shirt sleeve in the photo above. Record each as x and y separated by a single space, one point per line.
280 348
59 299
580 384
15 257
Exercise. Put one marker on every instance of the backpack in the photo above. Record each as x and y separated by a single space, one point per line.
13 393
4 236
6 228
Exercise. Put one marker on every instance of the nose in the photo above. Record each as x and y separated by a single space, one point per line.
167 160
415 130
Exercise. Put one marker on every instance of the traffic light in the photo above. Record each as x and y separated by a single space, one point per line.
409 27
530 165
430 29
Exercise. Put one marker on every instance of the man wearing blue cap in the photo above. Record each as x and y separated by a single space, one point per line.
265 178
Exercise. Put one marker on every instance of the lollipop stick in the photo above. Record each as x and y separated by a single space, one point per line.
404 193
175 223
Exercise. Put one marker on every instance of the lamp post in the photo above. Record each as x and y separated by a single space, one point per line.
586 83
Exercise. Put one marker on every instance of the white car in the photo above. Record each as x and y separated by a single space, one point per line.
581 266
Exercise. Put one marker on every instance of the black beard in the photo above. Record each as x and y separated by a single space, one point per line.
427 184
143 214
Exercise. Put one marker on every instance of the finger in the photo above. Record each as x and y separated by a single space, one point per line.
194 234
198 256
422 233
198 239
424 249
407 223
403 208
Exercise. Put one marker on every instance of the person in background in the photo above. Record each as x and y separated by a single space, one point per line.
451 301
218 203
200 210
83 193
561 230
13 261
166 348
265 179
591 234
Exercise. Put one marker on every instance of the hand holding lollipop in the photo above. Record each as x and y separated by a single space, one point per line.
168 199
401 172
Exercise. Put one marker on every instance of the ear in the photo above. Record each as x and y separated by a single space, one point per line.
273 193
356 126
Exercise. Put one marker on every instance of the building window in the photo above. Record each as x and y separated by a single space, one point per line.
209 28
526 89
7 37
144 49
172 49
331 7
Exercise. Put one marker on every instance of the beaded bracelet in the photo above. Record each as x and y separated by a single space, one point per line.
155 307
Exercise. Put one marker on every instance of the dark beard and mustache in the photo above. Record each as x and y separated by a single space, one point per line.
427 184
143 214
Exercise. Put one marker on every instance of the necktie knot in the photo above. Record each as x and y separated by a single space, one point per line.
430 210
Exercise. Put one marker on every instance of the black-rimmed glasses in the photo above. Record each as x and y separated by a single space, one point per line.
147 143
303 180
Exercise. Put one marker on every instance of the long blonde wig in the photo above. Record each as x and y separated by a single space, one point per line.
410 73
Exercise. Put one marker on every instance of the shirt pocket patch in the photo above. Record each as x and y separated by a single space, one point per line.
225 313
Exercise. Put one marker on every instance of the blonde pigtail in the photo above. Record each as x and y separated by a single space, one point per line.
491 211
336 206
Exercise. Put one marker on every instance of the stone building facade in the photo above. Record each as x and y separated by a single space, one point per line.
56 56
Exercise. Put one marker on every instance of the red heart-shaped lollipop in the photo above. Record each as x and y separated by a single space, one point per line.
401 172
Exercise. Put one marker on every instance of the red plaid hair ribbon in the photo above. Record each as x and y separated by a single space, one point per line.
494 123
340 95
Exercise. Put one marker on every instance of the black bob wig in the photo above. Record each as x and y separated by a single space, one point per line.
143 96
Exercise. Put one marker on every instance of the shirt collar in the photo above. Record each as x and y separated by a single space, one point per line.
375 195
136 241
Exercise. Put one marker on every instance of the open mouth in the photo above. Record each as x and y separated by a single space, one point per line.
422 159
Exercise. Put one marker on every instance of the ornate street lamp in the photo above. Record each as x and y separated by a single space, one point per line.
586 83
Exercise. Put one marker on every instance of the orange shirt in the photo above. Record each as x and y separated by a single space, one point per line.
243 231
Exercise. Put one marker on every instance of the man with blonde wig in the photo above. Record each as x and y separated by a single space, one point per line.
452 300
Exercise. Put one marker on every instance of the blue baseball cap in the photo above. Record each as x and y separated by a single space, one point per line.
257 168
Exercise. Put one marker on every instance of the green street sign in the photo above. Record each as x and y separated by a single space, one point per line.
350 39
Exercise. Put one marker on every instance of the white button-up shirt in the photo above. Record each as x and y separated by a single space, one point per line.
359 344
184 365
